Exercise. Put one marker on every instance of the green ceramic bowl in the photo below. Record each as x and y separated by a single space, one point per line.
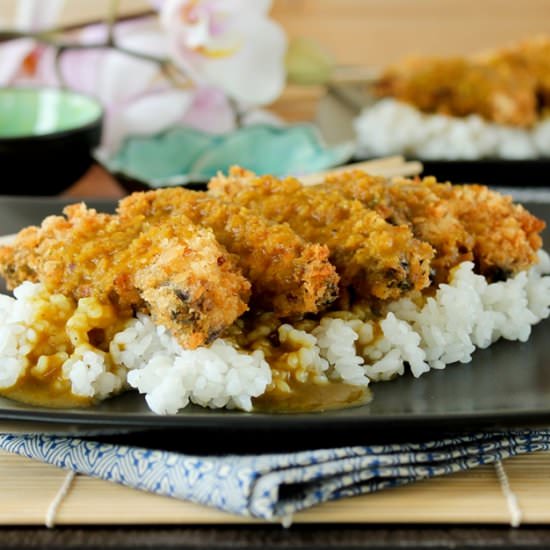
46 139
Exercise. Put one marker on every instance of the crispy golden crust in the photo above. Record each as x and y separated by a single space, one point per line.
374 258
176 271
17 262
289 275
461 222
408 202
530 57
506 236
460 87
507 86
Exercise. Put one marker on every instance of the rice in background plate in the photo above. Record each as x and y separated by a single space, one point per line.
392 127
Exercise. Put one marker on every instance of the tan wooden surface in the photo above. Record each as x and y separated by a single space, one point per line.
27 488
375 32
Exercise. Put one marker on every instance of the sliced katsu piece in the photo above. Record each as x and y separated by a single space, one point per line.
375 259
289 275
506 236
408 202
461 87
531 56
176 271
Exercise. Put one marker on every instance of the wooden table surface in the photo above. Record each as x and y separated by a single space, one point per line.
95 183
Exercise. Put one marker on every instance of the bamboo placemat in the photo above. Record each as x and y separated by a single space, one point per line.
28 487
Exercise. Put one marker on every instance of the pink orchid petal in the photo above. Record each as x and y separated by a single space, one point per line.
147 115
210 112
12 55
80 69
46 73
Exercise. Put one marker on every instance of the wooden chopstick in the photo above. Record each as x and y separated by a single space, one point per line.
6 239
388 167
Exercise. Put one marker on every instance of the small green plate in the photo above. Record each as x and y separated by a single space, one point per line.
180 155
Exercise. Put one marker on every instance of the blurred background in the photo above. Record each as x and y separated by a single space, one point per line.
374 32
319 50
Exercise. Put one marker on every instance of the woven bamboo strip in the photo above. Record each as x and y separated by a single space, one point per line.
28 487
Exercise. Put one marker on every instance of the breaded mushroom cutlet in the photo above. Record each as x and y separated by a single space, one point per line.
461 87
373 258
408 202
289 275
506 236
461 222
176 271
530 56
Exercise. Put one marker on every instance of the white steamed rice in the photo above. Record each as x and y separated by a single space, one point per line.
393 127
171 377
466 314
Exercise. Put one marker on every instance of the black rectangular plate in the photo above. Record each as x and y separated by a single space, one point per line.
506 385
494 172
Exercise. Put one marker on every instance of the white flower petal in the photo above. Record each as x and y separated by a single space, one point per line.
211 112
229 44
148 115
255 73
122 77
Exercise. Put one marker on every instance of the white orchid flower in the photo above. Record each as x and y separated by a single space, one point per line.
25 60
229 49
137 98
229 44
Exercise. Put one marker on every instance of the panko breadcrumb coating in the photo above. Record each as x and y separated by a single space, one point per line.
459 87
408 202
510 86
289 275
506 236
461 222
176 271
373 258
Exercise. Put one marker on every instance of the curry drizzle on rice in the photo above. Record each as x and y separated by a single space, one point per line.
61 332
302 380
156 296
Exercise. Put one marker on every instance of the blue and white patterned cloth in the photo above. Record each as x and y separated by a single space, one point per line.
274 486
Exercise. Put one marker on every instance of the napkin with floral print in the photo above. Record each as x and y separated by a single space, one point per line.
274 486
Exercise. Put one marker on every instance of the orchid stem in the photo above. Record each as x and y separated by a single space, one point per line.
237 112
48 38
44 38
112 17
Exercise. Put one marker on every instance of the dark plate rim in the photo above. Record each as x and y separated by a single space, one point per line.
237 420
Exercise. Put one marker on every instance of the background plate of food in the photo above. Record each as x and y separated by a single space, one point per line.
479 119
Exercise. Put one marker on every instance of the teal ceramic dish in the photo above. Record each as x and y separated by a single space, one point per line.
184 156
46 139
